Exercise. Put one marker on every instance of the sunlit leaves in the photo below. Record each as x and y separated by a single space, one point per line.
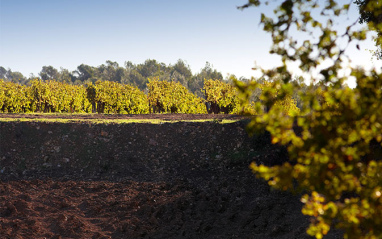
53 96
58 97
336 156
222 96
14 98
115 98
172 97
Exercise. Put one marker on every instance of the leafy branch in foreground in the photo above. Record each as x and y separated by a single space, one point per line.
336 156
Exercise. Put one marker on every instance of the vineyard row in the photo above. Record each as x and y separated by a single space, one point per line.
115 98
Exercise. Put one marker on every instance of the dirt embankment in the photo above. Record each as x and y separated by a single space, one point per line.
170 180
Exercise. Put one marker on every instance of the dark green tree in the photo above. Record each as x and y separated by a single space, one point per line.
369 15
48 73
150 68
65 76
17 77
133 77
85 73
3 73
13 76
206 73
180 72
111 72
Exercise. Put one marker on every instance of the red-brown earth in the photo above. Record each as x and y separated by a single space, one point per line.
140 180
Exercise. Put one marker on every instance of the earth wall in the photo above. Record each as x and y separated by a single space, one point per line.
140 180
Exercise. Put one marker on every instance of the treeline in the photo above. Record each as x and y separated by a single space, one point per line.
132 74
110 88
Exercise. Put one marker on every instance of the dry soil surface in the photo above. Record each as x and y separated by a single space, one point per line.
171 180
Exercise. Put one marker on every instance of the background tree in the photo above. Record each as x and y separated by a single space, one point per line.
151 68
3 72
180 72
65 76
13 76
206 73
133 77
17 77
85 73
335 156
368 14
133 74
111 72
48 73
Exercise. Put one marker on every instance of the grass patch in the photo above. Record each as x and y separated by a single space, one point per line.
110 121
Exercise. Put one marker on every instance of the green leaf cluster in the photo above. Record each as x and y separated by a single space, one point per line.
173 97
14 98
279 95
334 143
221 96
56 97
115 98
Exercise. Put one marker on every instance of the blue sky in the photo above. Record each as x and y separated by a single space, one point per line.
67 33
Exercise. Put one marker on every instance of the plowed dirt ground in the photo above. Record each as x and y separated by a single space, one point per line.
172 180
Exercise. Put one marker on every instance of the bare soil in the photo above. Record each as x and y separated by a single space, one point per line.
140 180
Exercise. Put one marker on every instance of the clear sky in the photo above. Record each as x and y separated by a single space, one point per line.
67 33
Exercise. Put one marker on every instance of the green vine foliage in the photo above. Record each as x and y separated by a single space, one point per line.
225 98
14 98
104 97
285 102
173 97
221 97
57 97
335 156
115 98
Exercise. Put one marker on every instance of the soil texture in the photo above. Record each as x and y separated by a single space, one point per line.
141 180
